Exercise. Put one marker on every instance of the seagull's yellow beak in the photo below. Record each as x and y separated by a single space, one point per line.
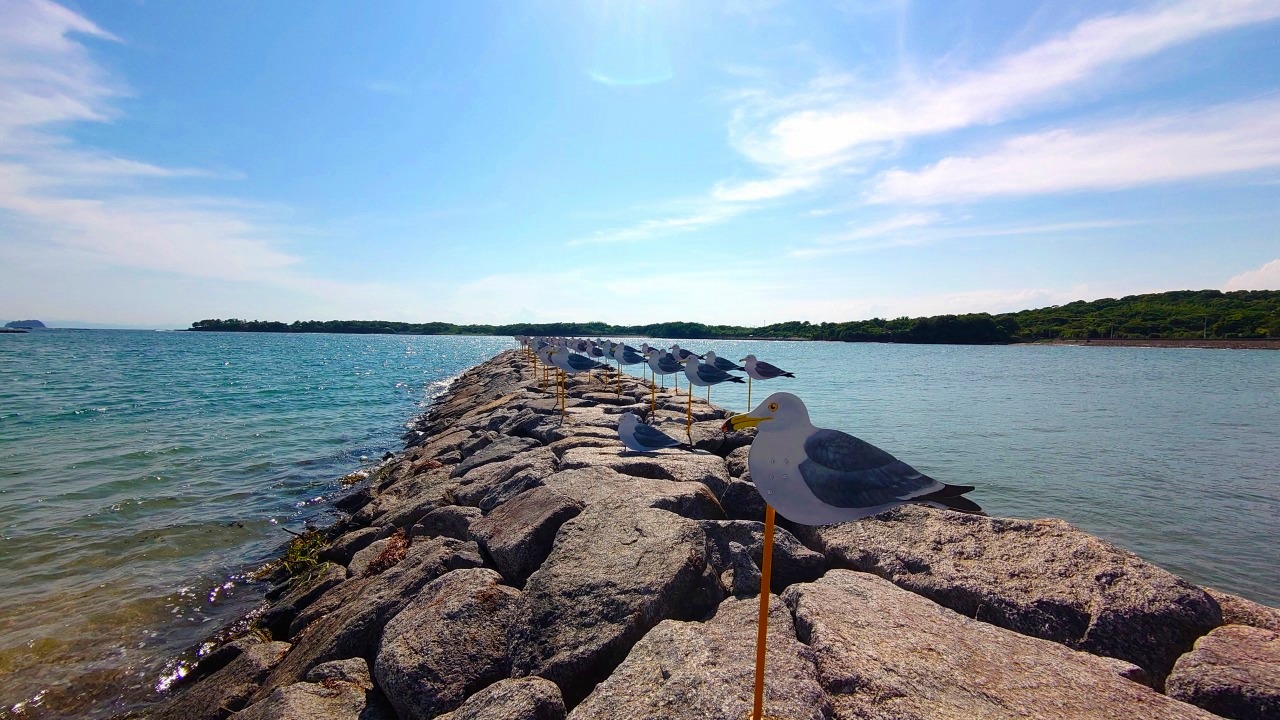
738 422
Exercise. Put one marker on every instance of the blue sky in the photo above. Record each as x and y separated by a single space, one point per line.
741 162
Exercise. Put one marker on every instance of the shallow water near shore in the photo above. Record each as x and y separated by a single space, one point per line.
141 473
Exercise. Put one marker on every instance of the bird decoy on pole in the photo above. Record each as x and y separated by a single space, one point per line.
702 376
644 438
725 364
571 364
816 476
761 370
625 355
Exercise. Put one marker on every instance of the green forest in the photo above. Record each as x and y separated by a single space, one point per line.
1169 315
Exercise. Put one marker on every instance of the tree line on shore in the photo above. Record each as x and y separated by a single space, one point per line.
1181 314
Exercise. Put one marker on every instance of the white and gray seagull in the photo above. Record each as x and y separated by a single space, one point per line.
761 370
815 476
644 438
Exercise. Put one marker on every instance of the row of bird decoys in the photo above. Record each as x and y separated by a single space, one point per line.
811 475
570 356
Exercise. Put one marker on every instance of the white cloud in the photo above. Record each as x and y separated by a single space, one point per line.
884 227
1225 139
713 214
1266 277
76 206
762 189
893 233
834 119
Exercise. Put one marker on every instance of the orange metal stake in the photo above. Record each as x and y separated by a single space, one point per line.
766 566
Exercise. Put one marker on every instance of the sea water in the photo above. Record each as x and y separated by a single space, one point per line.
142 474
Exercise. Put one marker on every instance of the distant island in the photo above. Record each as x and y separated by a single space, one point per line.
1177 315
24 324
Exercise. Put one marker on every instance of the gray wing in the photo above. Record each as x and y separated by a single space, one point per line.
654 438
668 365
630 357
712 374
578 362
846 472
726 365
771 371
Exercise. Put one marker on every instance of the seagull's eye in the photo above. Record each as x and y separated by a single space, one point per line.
773 407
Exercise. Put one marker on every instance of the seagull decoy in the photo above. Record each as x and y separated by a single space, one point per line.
625 355
682 354
760 370
724 364
644 438
702 376
816 476
709 357
571 364
660 364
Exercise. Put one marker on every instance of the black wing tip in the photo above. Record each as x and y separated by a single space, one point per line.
949 491
787 374
950 497
960 504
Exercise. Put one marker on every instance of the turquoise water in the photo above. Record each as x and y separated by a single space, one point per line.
142 473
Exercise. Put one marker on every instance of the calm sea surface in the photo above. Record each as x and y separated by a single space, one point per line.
142 473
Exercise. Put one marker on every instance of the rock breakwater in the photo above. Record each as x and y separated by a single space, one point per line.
513 564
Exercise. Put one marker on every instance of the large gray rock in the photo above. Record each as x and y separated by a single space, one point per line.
405 502
518 534
347 621
736 461
1043 578
482 481
530 698
883 652
1233 671
300 592
359 564
741 501
346 545
449 521
446 644
227 690
792 562
1242 611
338 690
504 448
608 488
702 468
613 574
706 671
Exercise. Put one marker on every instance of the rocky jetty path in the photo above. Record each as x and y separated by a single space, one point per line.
509 565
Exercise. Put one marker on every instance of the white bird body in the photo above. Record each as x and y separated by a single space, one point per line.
710 358
705 375
815 476
643 438
761 370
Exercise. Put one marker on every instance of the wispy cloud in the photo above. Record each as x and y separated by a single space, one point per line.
762 189
1225 139
838 124
832 122
713 213
912 229
82 205
1266 277
884 227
